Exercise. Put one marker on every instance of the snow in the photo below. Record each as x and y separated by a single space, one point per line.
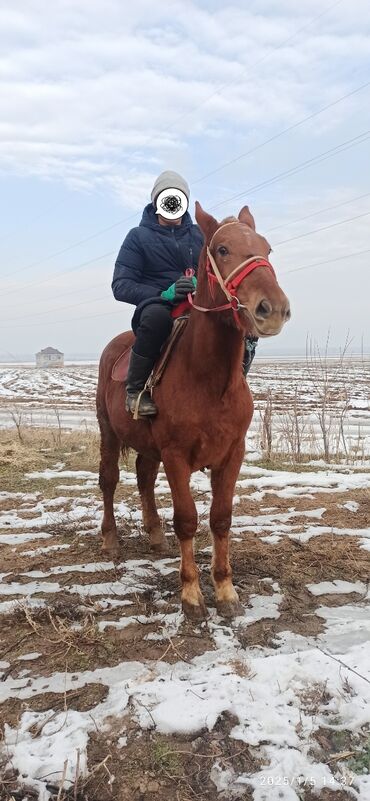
13 520
89 567
317 531
30 656
48 475
169 623
325 481
188 698
45 755
261 607
15 539
352 506
7 607
336 586
47 549
286 775
346 626
107 588
261 686
31 588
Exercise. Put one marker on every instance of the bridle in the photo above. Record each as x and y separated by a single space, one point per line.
232 282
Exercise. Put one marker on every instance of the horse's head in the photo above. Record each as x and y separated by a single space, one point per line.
238 264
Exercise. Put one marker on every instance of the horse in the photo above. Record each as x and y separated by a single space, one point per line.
204 403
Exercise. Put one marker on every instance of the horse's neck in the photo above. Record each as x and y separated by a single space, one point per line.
213 352
212 347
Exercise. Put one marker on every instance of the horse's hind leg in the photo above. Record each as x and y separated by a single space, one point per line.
146 471
108 479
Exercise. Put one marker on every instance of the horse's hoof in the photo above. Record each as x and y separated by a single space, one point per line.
229 609
158 547
111 552
157 541
195 612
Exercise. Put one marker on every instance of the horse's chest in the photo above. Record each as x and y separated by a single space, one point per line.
204 430
210 441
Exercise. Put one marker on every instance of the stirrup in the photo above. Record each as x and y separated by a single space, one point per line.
140 404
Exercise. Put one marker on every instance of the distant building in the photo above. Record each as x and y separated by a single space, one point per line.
49 357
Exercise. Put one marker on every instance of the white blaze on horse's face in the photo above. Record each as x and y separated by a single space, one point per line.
265 304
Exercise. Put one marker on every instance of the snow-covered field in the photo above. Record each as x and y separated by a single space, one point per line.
106 688
306 397
31 387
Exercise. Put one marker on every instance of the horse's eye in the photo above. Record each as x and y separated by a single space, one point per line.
222 250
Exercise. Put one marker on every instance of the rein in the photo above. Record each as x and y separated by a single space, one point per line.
231 283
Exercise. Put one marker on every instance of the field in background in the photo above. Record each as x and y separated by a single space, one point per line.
314 407
106 691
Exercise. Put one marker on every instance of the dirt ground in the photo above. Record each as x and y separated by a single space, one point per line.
75 630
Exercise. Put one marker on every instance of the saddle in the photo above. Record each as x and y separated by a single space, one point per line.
120 367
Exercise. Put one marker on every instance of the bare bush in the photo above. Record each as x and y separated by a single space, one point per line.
267 427
292 427
314 414
331 384
17 415
57 434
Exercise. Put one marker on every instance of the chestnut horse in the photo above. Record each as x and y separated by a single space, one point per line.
204 403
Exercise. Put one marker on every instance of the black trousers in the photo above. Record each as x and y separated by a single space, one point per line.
155 325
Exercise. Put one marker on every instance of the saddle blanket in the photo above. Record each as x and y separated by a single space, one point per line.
121 365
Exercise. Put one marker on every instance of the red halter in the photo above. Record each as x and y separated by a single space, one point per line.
230 284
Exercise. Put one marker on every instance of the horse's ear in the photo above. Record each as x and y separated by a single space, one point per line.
246 217
206 222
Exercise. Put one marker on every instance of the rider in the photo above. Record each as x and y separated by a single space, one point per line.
150 273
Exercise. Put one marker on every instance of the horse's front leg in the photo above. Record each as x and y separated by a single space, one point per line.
223 485
185 521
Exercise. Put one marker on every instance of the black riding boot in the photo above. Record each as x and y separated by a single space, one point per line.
249 353
139 371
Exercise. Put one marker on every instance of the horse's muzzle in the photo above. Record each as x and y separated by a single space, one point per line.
265 310
269 316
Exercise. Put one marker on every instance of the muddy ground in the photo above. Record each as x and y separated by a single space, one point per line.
57 612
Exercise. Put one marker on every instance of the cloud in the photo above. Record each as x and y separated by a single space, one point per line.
99 98
92 95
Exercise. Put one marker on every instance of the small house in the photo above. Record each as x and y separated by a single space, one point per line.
49 357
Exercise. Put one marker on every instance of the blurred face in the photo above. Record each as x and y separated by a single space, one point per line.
171 205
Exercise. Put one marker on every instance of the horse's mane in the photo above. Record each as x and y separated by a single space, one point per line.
228 219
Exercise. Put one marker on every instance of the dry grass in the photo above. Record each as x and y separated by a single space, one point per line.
39 446
314 697
86 634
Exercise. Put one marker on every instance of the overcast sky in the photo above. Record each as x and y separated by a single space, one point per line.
98 98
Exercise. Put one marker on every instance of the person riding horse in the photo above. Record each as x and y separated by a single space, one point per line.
150 274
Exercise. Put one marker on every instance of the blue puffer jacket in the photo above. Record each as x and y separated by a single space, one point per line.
153 256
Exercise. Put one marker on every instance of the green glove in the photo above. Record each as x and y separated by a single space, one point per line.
179 291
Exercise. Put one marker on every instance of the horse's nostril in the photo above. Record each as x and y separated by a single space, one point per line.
286 313
263 309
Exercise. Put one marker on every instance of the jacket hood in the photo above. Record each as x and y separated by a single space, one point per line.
149 220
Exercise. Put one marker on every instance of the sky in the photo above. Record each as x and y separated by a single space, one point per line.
264 103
